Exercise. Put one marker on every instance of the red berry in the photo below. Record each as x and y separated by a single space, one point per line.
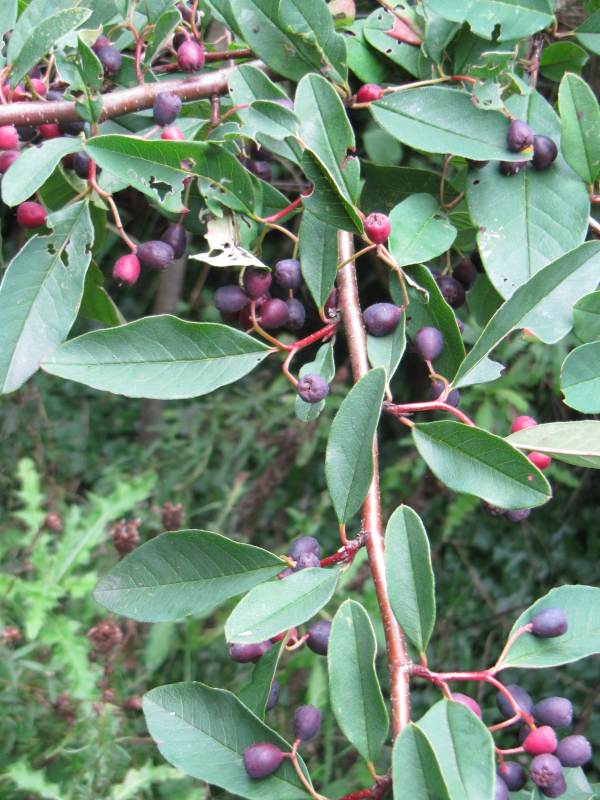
39 86
369 92
31 215
190 56
9 138
49 130
540 460
377 227
7 158
541 740
467 701
519 423
127 269
19 94
293 632
173 133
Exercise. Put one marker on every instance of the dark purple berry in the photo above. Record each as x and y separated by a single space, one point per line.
166 108
307 560
477 164
544 152
262 759
554 711
307 723
557 789
429 342
521 697
574 751
511 167
26 132
155 254
331 304
304 544
101 41
437 387
519 136
452 291
230 299
513 775
296 314
176 238
257 282
273 698
190 56
549 623
312 388
244 653
501 790
465 272
73 128
185 11
545 770
81 164
461 325
262 169
274 314
318 637
110 58
517 514
381 319
288 273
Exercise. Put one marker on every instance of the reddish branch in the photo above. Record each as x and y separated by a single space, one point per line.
371 511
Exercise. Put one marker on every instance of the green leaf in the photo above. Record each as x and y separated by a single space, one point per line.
363 61
562 57
387 351
589 33
254 695
324 364
473 461
464 748
514 18
318 256
586 317
278 606
356 698
164 27
543 305
439 32
580 378
576 443
410 579
96 303
437 119
349 457
30 780
385 186
182 573
161 357
420 230
580 119
41 292
33 14
33 167
582 606
204 732
376 31
155 168
416 770
512 212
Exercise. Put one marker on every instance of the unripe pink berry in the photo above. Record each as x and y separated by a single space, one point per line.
173 133
39 86
541 740
520 423
467 701
127 269
377 227
190 56
9 138
540 460
8 157
369 92
49 130
31 215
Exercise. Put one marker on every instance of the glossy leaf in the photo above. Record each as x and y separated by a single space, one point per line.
420 230
580 378
582 638
512 212
312 23
576 443
562 57
182 573
324 364
543 305
161 357
586 317
356 698
376 31
580 119
33 167
514 18
278 606
41 292
318 255
254 695
204 732
410 579
387 351
473 461
416 771
349 457
588 33
163 28
438 119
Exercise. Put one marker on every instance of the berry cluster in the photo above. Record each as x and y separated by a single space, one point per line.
521 138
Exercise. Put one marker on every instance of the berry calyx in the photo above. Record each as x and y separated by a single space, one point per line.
190 56
9 138
230 299
288 273
31 215
381 319
262 759
318 637
521 697
452 291
377 227
257 282
156 254
549 623
544 152
173 134
520 423
304 544
574 751
245 653
545 770
312 388
541 740
127 269
467 701
307 723
176 238
166 108
429 342
368 93
110 58
519 136
554 711
513 775
274 314
296 314
539 460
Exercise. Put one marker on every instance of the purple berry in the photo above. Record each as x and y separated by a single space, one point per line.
262 169
331 304
312 388
73 128
549 623
273 698
244 653
521 697
557 789
166 108
307 560
274 314
176 238
554 711
156 254
288 273
230 298
461 325
469 702
262 759
544 152
304 544
307 723
501 790
101 41
452 291
81 164
296 314
519 136
381 319
513 775
512 167
110 58
465 272
190 56
257 282
545 770
429 342
574 751
318 637
477 164
517 514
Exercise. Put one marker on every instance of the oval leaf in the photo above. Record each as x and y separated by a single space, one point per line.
410 578
580 120
275 607
318 256
254 695
586 317
161 357
473 461
349 457
33 167
575 443
580 378
416 770
420 230
509 19
187 572
356 697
